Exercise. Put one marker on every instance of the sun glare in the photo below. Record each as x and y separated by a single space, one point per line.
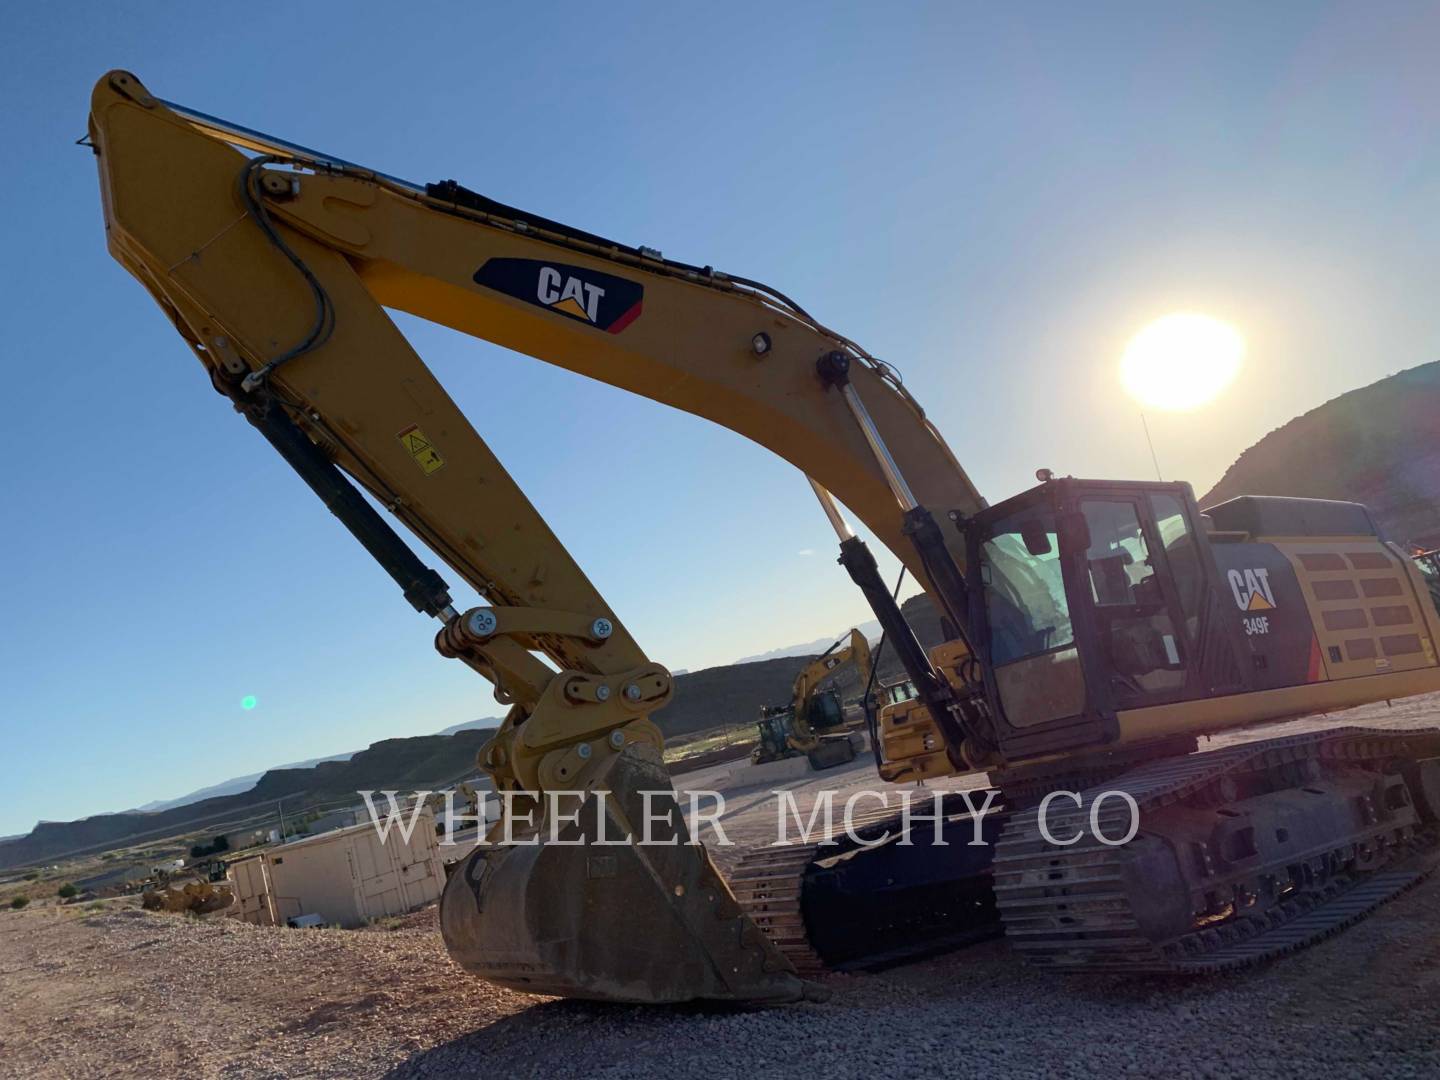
1181 361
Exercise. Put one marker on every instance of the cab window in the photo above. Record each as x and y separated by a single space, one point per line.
1136 630
1182 555
1118 560
1024 592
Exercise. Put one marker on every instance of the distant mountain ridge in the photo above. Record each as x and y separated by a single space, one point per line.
870 629
728 694
239 784
235 785
421 761
472 725
1379 445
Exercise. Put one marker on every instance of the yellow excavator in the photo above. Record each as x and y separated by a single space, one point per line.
807 723
1096 628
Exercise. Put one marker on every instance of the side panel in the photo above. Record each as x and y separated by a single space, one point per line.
252 894
1331 623
1261 594
397 876
315 879
377 873
422 876
1038 689
1366 610
1208 715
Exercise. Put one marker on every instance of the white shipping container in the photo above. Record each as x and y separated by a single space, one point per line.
250 884
346 877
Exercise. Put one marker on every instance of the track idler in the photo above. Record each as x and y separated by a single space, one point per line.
586 914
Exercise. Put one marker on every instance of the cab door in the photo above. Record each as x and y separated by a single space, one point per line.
1144 616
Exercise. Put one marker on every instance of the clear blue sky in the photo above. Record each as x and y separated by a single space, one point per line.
994 198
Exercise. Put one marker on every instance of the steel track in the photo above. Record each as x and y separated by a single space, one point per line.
1068 908
1064 907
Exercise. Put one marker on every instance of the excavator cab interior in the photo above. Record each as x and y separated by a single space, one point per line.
1092 595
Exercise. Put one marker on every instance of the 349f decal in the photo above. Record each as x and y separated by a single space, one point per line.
603 301
1251 588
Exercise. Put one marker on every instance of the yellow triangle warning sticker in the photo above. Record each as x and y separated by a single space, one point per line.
421 450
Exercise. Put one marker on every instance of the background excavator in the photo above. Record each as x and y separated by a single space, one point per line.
1096 628
807 723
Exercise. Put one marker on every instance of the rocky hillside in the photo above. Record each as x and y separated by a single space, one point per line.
1379 445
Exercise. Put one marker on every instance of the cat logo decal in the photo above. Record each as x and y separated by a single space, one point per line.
603 301
1251 589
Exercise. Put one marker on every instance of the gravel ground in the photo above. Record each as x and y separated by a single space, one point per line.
127 993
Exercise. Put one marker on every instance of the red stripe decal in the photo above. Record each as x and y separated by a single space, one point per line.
625 320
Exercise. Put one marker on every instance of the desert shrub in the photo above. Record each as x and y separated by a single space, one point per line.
32 875
66 891
219 844
19 902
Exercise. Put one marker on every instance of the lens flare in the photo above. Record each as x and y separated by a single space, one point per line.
1182 361
248 702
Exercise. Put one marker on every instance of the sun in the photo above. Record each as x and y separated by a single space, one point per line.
1182 361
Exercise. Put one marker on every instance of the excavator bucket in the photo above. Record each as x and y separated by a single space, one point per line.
588 909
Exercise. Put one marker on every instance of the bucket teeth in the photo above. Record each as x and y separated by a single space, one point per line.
585 914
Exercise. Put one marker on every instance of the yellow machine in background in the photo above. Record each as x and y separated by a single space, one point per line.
1096 628
199 897
806 723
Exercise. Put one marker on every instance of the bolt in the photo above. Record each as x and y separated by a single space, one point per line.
601 629
617 739
602 692
632 692
583 751
482 622
221 342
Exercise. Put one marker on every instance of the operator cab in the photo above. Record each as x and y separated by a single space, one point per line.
1093 596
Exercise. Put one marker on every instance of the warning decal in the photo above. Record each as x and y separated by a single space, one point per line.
421 449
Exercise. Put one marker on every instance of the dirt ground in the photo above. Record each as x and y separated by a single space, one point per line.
125 993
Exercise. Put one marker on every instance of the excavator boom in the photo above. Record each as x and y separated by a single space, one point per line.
276 263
